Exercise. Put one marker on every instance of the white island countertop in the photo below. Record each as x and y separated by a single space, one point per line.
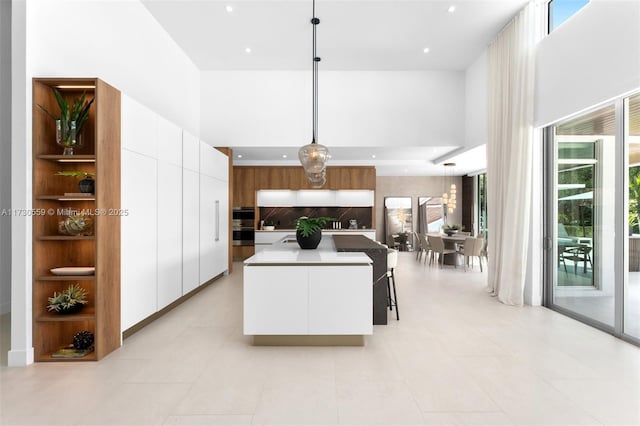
288 252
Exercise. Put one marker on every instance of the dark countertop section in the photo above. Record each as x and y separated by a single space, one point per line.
356 243
378 255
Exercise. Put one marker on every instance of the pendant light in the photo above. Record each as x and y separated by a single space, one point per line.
449 199
314 156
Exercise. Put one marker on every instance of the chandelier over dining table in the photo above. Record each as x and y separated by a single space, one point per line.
314 156
449 198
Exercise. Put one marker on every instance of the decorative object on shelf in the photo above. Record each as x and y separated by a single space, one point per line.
314 156
74 270
309 231
452 229
76 225
268 225
68 301
71 352
86 185
70 121
83 340
449 199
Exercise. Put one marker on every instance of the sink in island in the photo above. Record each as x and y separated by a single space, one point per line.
308 297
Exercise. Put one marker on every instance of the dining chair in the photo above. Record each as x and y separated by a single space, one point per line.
437 246
426 247
418 245
576 255
464 233
472 248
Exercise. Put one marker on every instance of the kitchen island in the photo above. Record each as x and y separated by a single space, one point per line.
307 297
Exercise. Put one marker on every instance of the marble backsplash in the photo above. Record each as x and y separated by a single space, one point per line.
285 217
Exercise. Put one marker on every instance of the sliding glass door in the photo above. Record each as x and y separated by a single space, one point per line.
631 293
592 265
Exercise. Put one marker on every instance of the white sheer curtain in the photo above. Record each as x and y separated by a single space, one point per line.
511 67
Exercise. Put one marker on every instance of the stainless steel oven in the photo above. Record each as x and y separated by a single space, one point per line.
243 226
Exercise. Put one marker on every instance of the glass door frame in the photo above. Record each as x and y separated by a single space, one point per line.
621 259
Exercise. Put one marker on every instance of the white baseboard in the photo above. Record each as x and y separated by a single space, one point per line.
20 358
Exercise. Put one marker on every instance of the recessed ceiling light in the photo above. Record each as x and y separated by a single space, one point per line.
451 9
247 49
373 156
284 155
425 50
229 8
239 155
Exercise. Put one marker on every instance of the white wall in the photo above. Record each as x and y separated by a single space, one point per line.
356 108
591 58
5 155
117 41
476 103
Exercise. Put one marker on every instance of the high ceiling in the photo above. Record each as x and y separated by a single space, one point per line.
352 35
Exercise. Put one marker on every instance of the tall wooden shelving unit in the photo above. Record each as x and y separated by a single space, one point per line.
100 155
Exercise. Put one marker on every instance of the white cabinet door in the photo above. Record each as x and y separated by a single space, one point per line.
270 237
222 243
209 227
190 230
340 300
315 198
275 300
169 142
169 233
354 198
138 238
190 152
138 128
276 198
213 163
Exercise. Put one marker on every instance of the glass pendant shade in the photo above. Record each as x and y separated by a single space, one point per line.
313 158
317 180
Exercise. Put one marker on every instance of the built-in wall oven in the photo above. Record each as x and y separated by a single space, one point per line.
243 226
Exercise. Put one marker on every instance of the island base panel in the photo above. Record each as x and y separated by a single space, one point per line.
308 340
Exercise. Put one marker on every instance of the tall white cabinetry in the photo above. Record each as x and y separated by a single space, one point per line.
190 212
163 194
214 212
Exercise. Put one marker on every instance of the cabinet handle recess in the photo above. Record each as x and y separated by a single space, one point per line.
217 220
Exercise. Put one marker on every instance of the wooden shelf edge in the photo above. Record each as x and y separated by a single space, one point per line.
65 238
66 278
66 318
48 358
67 158
65 198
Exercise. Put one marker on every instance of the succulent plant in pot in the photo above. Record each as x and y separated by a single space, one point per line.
309 230
68 301
86 185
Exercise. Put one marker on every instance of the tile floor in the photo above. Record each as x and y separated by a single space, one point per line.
456 357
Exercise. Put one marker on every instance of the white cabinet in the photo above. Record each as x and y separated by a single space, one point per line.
214 212
169 233
315 198
339 303
276 198
354 198
138 238
190 230
275 300
138 128
190 152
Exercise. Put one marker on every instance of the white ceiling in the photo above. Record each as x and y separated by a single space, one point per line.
389 161
353 35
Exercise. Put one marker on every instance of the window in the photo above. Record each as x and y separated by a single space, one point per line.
561 10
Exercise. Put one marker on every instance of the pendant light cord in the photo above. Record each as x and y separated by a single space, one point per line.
314 71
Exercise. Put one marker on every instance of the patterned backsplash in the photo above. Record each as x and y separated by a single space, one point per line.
285 217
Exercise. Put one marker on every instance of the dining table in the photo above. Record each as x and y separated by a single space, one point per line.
450 242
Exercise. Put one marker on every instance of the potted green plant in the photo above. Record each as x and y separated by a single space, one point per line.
86 185
72 118
452 229
68 301
268 225
309 231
